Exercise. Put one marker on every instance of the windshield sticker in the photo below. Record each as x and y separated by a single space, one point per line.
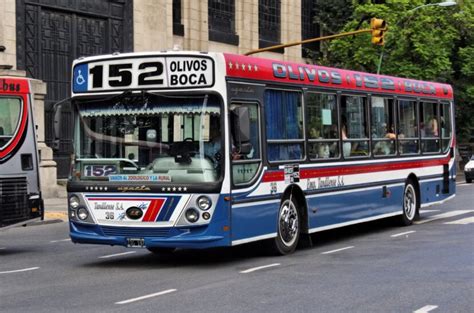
152 178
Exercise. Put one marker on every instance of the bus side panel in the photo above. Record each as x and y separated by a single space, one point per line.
432 191
351 207
252 220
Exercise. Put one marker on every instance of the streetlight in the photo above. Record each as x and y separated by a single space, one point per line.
447 3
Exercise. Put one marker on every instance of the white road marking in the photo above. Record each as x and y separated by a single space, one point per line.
116 254
463 221
428 211
426 308
22 270
405 233
259 268
337 250
463 184
443 215
146 297
61 240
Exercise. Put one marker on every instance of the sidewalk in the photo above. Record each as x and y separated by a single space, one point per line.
55 209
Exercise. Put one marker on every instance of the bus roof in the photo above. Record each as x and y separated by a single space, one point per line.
14 85
269 70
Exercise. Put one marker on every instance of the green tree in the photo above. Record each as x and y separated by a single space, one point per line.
431 43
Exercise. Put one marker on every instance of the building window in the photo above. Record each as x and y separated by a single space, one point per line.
222 21
178 27
309 29
269 23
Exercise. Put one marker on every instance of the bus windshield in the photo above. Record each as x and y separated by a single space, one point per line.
148 137
10 109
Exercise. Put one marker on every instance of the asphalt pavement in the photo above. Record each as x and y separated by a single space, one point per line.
373 267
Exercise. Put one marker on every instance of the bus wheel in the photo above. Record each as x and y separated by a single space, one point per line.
161 250
288 231
410 204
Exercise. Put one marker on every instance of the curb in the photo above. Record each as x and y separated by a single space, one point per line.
46 222
56 215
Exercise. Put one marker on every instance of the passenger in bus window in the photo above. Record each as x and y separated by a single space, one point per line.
390 133
346 146
432 129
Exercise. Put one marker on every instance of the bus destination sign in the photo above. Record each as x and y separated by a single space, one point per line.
143 73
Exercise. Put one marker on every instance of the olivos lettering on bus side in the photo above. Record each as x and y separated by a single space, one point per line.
5 85
305 73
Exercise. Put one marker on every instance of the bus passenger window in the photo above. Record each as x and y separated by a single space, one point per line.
408 128
429 127
323 135
246 166
354 126
382 126
445 125
284 125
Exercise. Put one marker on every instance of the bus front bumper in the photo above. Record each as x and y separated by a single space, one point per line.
186 238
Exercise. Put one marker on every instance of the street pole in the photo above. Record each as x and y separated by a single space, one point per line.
291 44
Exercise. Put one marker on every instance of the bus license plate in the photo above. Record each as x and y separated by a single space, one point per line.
135 242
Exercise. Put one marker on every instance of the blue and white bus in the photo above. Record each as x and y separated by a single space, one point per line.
194 150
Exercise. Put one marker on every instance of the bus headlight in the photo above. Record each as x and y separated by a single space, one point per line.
74 202
82 214
204 203
192 215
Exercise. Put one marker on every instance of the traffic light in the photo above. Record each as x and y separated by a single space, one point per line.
378 27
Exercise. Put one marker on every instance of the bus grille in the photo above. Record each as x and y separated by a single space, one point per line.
136 231
13 200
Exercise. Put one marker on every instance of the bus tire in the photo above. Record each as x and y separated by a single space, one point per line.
161 250
410 204
288 227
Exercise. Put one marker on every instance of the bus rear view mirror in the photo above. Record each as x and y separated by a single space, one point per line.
241 129
57 110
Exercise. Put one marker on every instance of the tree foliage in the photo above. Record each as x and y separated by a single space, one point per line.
430 43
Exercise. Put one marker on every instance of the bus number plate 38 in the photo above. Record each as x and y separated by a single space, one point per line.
135 242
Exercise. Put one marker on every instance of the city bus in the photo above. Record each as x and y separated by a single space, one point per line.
20 196
195 150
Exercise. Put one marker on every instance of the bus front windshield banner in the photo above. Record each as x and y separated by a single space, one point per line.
149 138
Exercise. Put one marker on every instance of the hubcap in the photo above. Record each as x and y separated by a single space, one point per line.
409 202
288 223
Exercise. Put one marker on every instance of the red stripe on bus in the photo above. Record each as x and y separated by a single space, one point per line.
120 199
153 210
275 176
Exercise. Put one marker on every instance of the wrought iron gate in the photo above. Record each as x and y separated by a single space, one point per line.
52 33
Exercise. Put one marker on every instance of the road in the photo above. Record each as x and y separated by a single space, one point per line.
374 267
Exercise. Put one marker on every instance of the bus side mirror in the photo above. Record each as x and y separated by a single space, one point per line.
241 129
57 110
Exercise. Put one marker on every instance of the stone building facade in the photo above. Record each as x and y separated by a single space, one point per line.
40 38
